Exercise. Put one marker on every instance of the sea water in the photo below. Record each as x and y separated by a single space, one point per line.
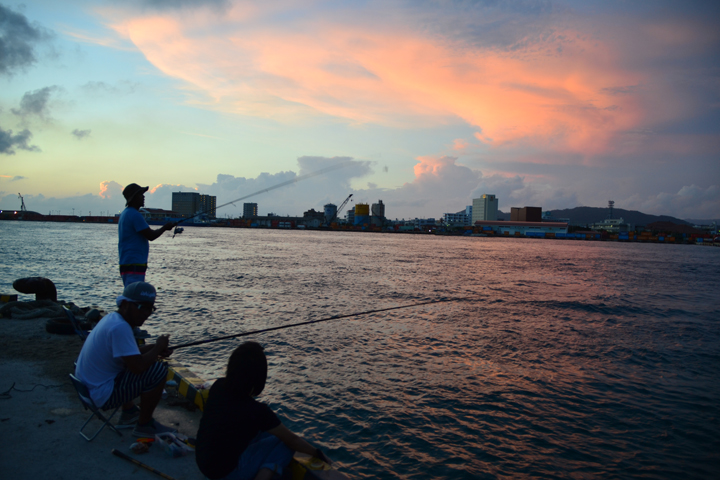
549 359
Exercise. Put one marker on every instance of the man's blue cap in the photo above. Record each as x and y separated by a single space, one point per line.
138 292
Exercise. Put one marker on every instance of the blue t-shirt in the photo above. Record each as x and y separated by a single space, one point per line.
132 245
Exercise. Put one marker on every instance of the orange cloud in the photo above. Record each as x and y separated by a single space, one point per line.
110 189
397 78
430 165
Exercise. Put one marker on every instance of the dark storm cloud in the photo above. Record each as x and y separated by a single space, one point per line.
80 134
18 39
35 103
9 142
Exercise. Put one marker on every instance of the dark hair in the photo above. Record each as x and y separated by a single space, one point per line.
247 369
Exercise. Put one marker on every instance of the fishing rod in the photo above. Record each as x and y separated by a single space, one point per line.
279 185
244 334
140 464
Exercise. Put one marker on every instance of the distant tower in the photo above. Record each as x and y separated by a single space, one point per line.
330 213
611 204
378 209
250 210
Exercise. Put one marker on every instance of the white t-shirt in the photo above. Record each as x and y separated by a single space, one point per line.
100 358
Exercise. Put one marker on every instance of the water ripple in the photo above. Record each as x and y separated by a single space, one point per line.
563 359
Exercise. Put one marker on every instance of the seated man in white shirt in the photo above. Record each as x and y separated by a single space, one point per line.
116 370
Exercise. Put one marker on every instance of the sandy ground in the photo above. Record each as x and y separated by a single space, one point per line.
40 420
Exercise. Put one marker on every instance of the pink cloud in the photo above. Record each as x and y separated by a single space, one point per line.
394 76
460 144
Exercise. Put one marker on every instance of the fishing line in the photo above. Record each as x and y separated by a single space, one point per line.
227 337
279 185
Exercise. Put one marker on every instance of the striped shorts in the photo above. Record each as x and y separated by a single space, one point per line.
129 385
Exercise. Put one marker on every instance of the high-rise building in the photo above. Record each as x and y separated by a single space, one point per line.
484 208
208 204
185 203
250 210
189 204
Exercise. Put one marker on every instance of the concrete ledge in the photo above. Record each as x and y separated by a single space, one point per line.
40 419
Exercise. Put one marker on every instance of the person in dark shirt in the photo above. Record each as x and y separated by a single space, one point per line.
240 438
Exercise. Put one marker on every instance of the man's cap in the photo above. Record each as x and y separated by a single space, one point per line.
138 292
133 189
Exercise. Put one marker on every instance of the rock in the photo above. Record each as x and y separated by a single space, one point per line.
93 315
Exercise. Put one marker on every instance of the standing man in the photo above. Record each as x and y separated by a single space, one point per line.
135 235
116 370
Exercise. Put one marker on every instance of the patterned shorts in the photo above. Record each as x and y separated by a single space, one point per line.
129 385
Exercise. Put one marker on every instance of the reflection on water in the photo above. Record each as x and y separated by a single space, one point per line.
558 359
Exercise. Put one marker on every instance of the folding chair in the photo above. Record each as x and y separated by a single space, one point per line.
76 324
87 402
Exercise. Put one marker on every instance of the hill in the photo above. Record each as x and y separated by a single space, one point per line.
588 215
703 221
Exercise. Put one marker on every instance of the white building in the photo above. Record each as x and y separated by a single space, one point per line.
459 218
484 208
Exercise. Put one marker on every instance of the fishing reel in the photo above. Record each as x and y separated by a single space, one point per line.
177 230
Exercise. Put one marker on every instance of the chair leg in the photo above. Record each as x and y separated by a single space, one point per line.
106 422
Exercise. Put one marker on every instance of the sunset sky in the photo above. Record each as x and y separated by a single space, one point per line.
431 103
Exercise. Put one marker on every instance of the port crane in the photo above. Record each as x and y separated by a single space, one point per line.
22 203
337 212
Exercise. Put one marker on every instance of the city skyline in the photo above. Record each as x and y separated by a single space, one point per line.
428 105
